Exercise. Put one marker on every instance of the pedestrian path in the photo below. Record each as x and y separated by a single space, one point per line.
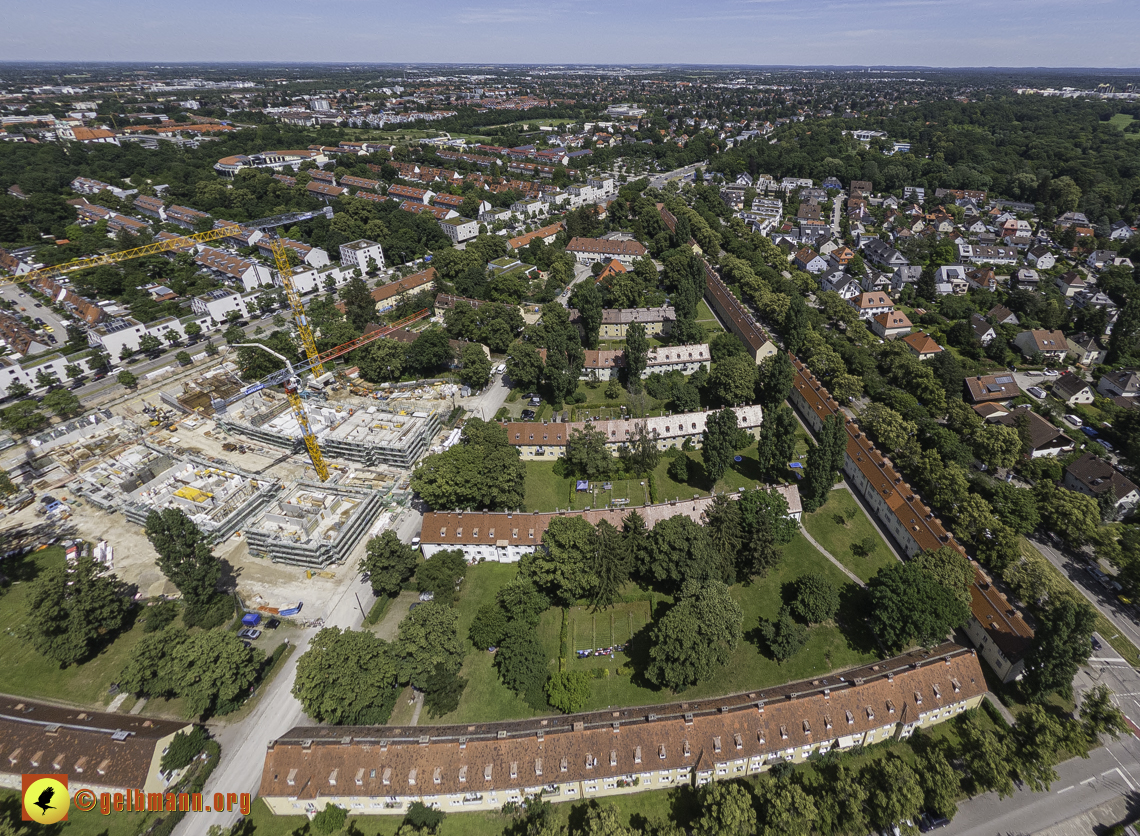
855 578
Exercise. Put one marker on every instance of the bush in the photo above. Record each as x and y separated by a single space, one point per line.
330 819
568 691
215 613
679 469
422 817
159 616
183 749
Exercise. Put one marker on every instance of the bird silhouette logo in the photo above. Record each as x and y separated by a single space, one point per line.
46 799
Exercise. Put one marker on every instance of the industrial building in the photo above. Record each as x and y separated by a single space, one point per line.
371 436
313 524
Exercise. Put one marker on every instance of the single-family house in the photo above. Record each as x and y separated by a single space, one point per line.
982 329
1070 283
809 260
988 388
922 345
1085 349
1026 278
1093 476
1041 257
1001 315
1070 389
870 305
1121 384
1050 344
1044 439
891 324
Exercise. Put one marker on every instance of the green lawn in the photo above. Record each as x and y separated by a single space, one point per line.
837 537
24 672
544 490
92 823
485 698
1122 121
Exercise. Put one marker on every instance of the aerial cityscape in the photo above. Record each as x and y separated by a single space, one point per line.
568 449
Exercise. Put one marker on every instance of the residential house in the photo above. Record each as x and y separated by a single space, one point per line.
589 250
982 329
982 278
891 324
902 276
1093 476
604 364
186 217
410 194
922 345
151 206
951 279
537 440
360 252
881 253
1099 259
459 230
1121 231
870 305
390 295
1044 439
616 321
1070 389
1041 257
546 234
218 303
250 273
1070 283
989 388
1052 345
807 259
115 335
1121 384
1085 349
1001 315
98 751
312 256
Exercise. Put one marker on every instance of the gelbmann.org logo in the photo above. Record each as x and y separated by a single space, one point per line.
45 798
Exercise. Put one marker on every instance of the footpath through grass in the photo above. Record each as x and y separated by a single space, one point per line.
841 524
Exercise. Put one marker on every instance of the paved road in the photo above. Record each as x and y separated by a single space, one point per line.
244 743
581 271
1110 771
836 209
22 298
659 180
1097 595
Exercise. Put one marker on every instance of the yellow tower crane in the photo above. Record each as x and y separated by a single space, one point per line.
281 257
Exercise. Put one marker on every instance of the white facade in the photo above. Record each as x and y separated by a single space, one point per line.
459 229
115 334
217 303
357 253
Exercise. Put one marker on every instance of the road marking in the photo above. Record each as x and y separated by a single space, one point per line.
1066 789
1109 659
1123 777
1087 780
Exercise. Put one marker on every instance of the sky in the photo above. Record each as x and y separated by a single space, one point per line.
940 33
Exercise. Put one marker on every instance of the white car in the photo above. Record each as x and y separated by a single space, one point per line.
1074 420
1051 372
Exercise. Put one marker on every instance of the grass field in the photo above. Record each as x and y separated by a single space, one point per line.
24 672
590 630
1122 121
838 537
92 823
485 698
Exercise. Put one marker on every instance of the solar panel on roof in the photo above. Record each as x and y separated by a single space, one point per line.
1004 380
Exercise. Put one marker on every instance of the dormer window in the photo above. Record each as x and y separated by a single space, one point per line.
890 707
937 692
661 751
870 713
783 732
918 698
463 774
716 744
826 722
738 740
850 718
564 765
637 755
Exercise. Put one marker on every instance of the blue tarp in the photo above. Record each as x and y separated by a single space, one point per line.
251 619
796 465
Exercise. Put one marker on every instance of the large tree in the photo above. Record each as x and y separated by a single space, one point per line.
680 550
522 663
217 671
817 598
483 471
695 638
611 565
184 555
428 641
587 299
726 807
776 444
389 562
587 453
74 610
524 365
347 677
1062 643
430 353
476 371
774 382
732 380
636 354
784 636
563 568
893 792
719 441
909 605
824 461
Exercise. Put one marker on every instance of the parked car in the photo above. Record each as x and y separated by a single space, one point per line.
1090 432
427 596
1051 372
1104 444
249 633
272 624
415 542
1036 391
1095 643
527 414
928 822
1074 420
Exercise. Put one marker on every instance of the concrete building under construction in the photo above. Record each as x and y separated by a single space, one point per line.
145 478
313 524
371 436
